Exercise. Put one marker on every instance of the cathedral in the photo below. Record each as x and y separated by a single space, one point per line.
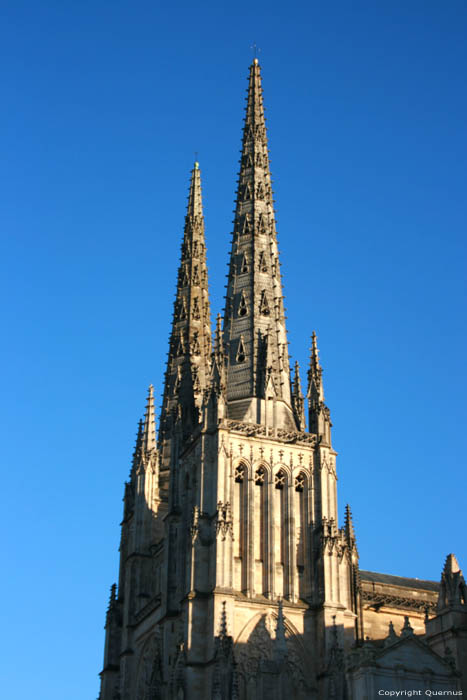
236 580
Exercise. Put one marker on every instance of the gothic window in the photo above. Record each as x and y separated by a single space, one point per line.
181 346
259 160
300 498
239 473
247 161
195 249
262 262
260 191
195 344
263 305
260 476
300 482
182 312
240 526
184 277
196 313
242 307
184 251
247 192
261 224
261 539
244 264
259 131
280 480
194 373
241 356
195 275
246 229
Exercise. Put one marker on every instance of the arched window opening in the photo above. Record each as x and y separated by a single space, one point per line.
242 307
280 480
241 356
239 473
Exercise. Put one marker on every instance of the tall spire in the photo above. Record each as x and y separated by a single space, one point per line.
254 319
188 364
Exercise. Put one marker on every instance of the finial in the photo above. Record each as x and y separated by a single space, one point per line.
196 165
256 51
392 636
407 629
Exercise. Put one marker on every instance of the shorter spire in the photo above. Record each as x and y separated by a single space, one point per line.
148 438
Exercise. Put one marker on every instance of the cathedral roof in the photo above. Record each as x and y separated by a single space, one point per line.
401 581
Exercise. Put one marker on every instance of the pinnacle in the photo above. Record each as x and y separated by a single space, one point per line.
451 565
138 446
149 430
349 528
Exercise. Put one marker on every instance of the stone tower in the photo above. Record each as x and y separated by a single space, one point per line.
236 581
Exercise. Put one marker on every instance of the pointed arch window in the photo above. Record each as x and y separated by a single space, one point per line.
300 497
239 473
247 161
195 344
242 307
247 192
262 262
300 481
241 355
182 310
195 275
195 249
184 277
263 305
196 312
246 228
260 191
244 264
260 476
261 224
240 526
280 480
181 346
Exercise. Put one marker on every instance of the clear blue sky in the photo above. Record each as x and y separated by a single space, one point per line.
103 107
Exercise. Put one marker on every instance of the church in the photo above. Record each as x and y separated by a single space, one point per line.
236 580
